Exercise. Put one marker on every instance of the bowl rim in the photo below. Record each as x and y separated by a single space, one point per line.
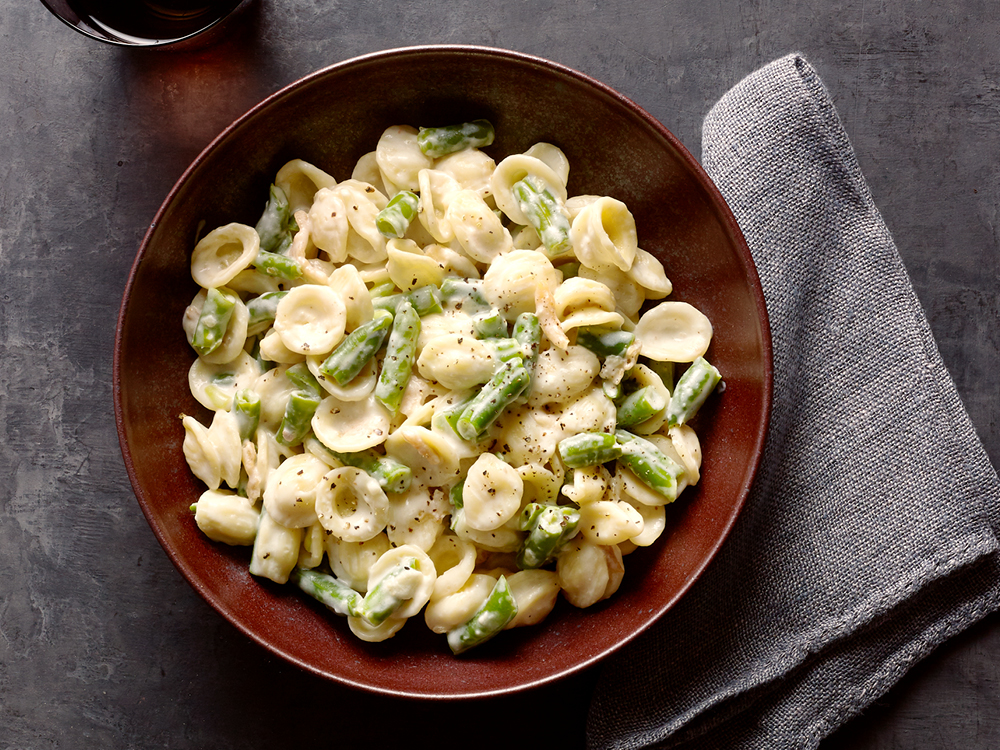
719 205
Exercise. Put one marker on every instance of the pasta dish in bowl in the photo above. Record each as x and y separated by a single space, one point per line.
461 356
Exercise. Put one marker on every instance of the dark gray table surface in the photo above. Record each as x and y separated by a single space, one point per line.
102 643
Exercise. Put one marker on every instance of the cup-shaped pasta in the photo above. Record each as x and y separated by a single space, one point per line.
363 203
512 170
275 549
351 426
454 560
541 485
581 302
311 319
351 505
416 517
673 332
430 456
685 441
513 279
588 484
328 224
609 522
347 281
642 376
457 361
399 157
443 323
604 235
478 230
562 375
492 493
200 453
525 435
654 522
290 492
352 562
628 295
502 539
214 386
436 190
409 267
588 572
448 612
274 388
366 170
535 592
226 517
313 548
554 157
471 168
419 588
224 433
385 630
223 253
648 273
577 203
300 181
236 327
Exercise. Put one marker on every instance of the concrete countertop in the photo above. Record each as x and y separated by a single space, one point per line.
102 643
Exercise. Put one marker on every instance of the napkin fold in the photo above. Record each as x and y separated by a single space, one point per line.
870 535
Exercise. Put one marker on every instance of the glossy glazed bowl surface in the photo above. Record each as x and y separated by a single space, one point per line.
330 118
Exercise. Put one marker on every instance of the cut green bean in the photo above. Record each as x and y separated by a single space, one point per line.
640 405
604 342
395 587
213 320
441 141
329 590
277 265
502 390
489 325
653 468
692 388
505 348
549 527
357 349
263 309
528 333
465 295
425 300
391 475
588 449
397 366
246 409
393 220
545 213
272 227
492 617
300 375
297 420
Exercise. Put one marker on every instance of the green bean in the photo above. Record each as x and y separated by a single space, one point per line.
545 213
640 405
528 333
357 349
272 226
692 388
506 348
492 617
441 141
464 294
297 420
246 409
391 475
300 376
394 588
425 300
549 527
262 309
653 468
506 385
329 590
213 321
588 449
397 366
489 325
393 220
604 342
280 266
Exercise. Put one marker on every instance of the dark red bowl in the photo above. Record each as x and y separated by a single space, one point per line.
332 117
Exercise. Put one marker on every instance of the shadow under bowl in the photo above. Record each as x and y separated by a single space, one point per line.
330 118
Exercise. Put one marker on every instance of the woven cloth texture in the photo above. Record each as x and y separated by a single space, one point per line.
870 534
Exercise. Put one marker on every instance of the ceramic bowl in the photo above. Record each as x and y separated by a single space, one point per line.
330 118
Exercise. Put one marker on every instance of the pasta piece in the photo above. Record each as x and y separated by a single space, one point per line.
272 348
554 157
609 522
201 454
492 493
589 573
561 376
357 389
436 189
629 296
515 168
454 560
471 168
290 494
352 561
409 268
275 549
502 539
222 253
589 484
673 332
351 426
311 319
363 203
214 386
313 548
457 361
448 612
688 447
654 521
648 273
358 308
226 517
604 235
419 594
512 279
300 180
581 302
351 505
535 592
426 453
375 633
328 224
478 230
416 517
399 157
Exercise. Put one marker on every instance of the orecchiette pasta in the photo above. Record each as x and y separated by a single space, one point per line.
441 386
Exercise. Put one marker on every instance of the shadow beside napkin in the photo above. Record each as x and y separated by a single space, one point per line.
868 538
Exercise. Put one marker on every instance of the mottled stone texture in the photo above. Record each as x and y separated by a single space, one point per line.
102 643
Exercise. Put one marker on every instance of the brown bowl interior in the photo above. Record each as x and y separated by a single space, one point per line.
330 119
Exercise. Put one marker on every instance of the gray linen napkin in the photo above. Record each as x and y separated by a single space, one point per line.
869 536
